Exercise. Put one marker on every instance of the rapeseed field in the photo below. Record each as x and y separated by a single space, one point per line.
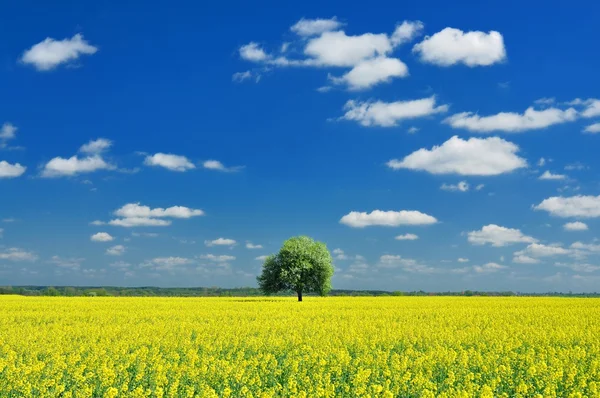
277 347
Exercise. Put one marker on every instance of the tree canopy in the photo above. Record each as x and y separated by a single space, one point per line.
302 265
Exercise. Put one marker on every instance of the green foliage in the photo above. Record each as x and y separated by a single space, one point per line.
302 265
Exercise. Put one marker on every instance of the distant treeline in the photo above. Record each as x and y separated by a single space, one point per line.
239 292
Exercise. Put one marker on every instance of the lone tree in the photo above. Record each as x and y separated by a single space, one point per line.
302 265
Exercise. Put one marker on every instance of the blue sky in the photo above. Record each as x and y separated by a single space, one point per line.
430 147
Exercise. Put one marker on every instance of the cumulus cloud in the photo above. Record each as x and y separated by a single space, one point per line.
371 72
59 167
218 166
166 263
16 254
462 186
69 263
313 27
537 250
324 44
390 218
475 156
241 76
388 114
488 268
574 206
249 245
591 106
7 132
50 53
169 161
218 259
511 122
8 170
592 128
523 259
137 210
407 237
463 260
406 32
253 52
136 215
452 46
550 176
261 258
117 250
498 236
101 237
579 267
405 264
220 242
96 146
575 226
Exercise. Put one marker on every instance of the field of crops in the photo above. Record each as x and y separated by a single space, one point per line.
353 347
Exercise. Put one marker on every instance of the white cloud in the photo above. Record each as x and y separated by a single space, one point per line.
388 114
261 258
120 264
253 52
241 76
541 162
536 250
576 166
7 132
479 187
498 236
462 186
50 53
452 46
97 222
592 128
511 122
550 176
488 268
413 130
101 237
216 165
95 147
591 106
407 237
8 170
117 250
475 156
586 246
249 245
165 263
522 259
220 242
575 226
406 32
70 263
136 215
574 206
169 161
139 222
338 49
371 72
388 261
545 101
463 260
59 167
137 210
579 267
390 218
313 27
16 254
218 259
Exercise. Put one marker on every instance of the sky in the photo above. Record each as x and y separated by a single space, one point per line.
431 146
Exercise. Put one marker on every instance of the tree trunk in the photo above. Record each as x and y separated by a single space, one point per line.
299 295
